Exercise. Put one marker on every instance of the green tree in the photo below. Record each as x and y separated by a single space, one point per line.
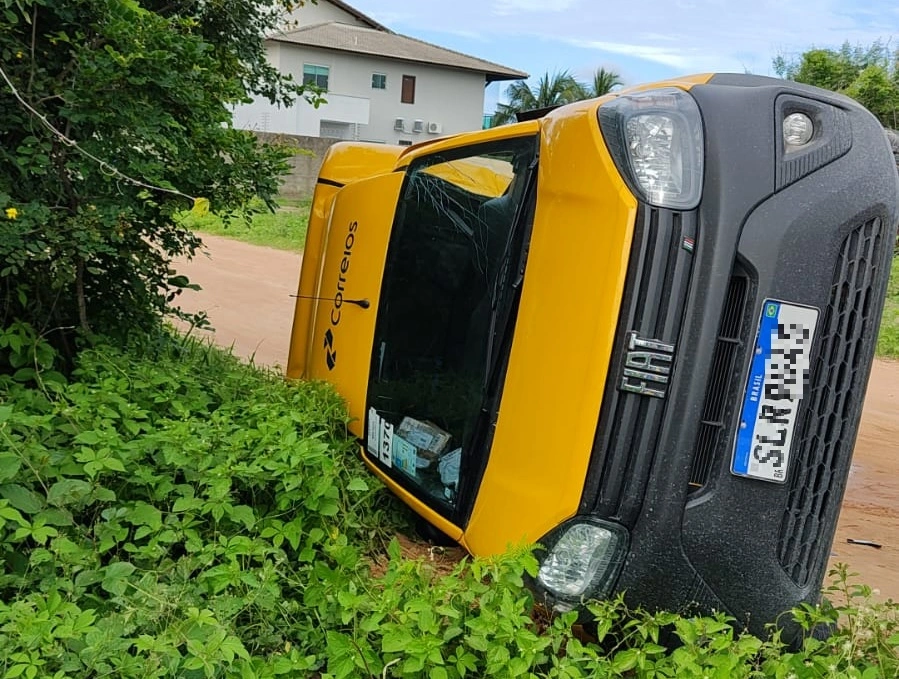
604 82
115 115
867 74
553 89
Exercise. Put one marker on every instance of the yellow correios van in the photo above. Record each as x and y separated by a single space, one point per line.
636 330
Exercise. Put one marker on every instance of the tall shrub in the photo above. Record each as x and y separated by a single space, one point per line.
115 115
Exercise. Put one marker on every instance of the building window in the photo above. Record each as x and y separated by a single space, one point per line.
405 142
316 75
408 94
378 81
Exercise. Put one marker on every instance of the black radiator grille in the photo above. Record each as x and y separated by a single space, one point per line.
655 293
822 454
719 395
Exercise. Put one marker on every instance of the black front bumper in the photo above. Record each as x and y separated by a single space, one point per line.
816 230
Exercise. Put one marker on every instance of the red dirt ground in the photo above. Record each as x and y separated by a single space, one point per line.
246 291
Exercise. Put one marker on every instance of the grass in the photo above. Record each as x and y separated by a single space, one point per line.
888 341
285 229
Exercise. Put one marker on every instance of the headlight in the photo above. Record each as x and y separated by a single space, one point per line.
584 560
655 138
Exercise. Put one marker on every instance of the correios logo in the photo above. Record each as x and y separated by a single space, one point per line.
337 306
330 354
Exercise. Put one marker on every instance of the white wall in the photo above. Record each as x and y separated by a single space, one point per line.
454 99
320 13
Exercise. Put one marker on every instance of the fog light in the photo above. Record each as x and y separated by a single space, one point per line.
584 560
798 129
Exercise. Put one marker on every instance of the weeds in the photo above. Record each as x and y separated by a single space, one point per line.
170 512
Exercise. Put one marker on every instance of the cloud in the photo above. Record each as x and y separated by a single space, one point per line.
676 58
512 7
668 35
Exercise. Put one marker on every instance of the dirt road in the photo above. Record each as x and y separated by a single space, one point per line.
247 294
247 289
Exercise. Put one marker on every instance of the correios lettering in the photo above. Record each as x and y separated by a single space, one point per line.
336 308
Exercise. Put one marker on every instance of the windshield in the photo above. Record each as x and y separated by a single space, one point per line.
432 338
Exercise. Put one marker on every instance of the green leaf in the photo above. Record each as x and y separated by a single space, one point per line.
42 533
10 463
24 374
11 514
357 485
625 660
328 507
54 517
115 577
184 504
114 464
396 641
88 438
234 646
68 492
16 671
243 514
21 498
193 663
143 514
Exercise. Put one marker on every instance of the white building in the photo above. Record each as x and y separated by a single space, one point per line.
381 86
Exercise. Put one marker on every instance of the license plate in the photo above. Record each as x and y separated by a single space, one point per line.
774 391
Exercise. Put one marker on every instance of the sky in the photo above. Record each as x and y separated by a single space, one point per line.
641 40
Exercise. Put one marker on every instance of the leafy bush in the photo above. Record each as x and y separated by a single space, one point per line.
868 74
170 512
115 116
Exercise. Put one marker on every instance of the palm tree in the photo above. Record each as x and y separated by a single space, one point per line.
604 82
551 90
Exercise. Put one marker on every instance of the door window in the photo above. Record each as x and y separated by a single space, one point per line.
436 316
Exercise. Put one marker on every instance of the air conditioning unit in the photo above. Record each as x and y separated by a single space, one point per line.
435 128
398 125
418 126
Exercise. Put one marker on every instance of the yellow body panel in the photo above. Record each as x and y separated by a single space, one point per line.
342 164
576 268
460 140
347 162
682 82
319 218
341 334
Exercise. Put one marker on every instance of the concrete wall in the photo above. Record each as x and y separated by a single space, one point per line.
300 183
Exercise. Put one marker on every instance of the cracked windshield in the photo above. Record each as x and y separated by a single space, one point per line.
436 326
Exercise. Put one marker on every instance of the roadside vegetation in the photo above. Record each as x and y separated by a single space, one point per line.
167 511
888 341
285 228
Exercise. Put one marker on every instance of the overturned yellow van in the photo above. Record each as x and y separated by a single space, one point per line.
636 330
